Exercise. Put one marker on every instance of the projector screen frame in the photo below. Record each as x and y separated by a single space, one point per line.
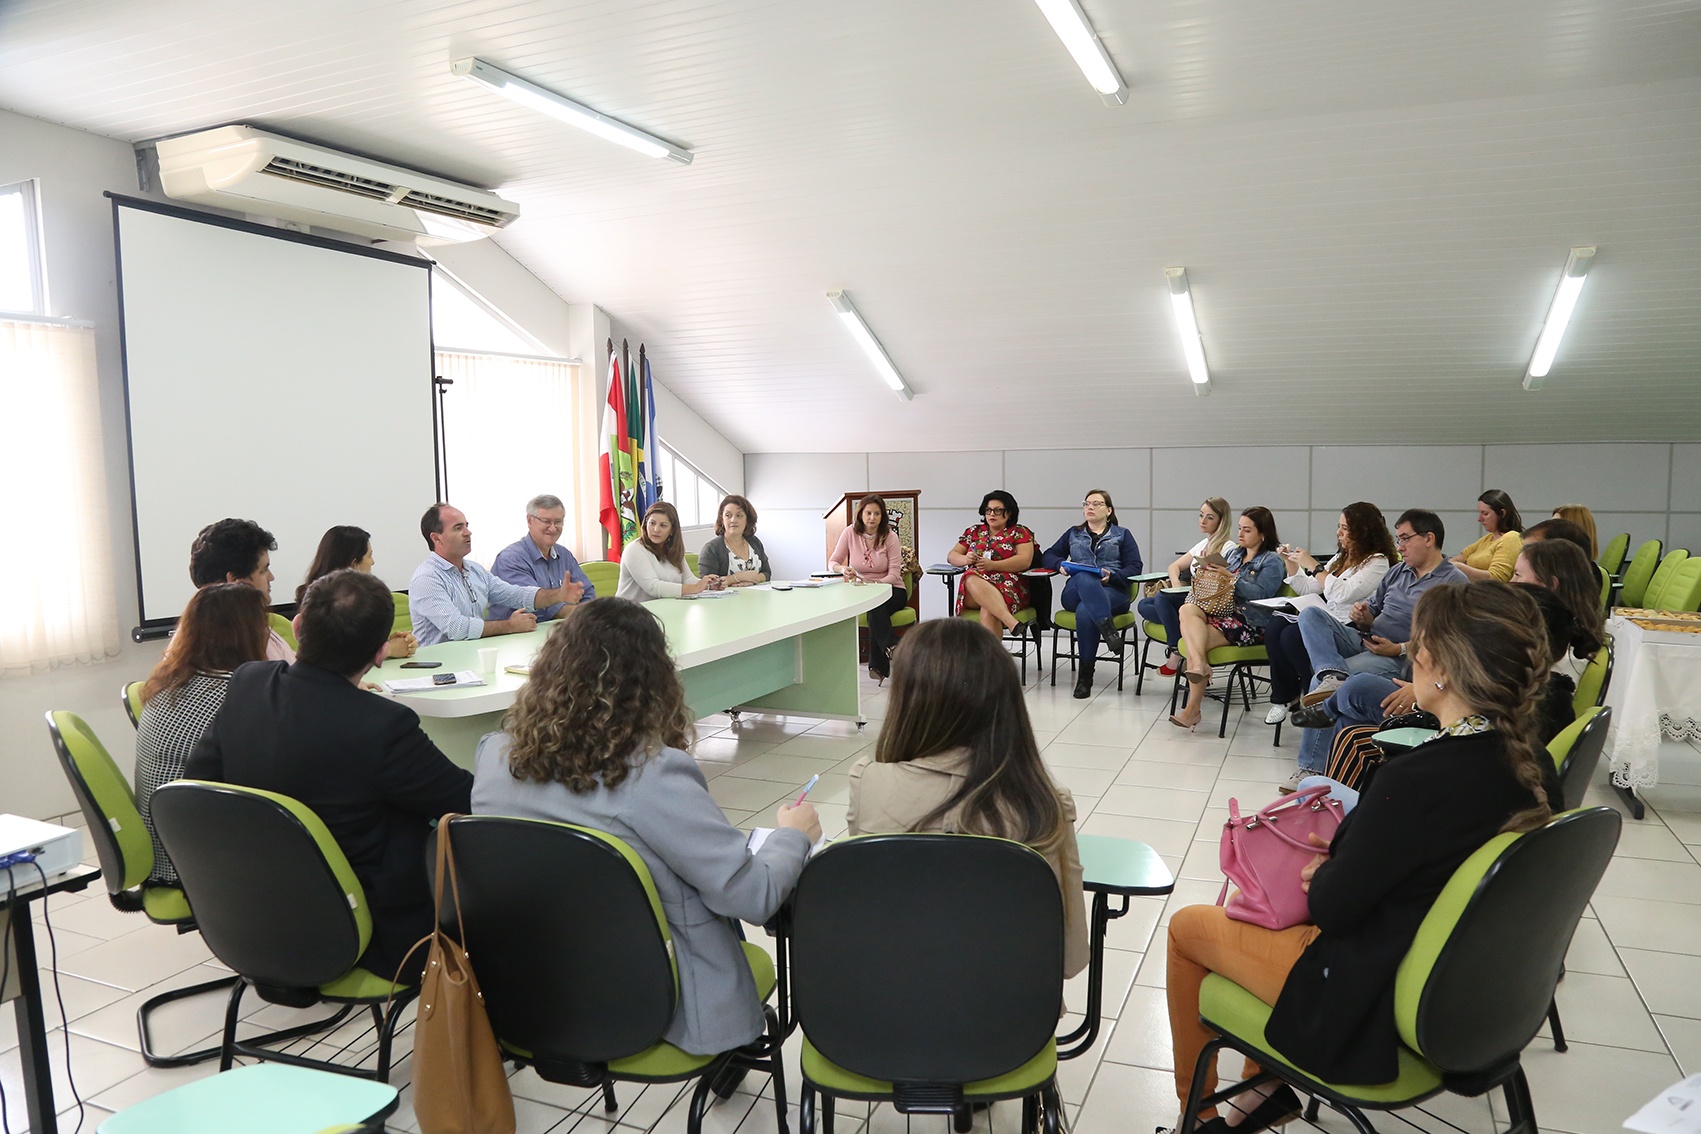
155 628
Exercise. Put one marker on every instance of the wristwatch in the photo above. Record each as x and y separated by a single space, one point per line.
1402 649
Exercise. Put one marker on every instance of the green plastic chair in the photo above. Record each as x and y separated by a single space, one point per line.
131 696
285 629
267 1098
579 979
1473 989
1613 553
1576 752
1592 686
930 997
604 576
1027 630
1682 590
1064 621
126 856
1153 632
278 904
691 561
1653 597
404 613
1633 584
1241 661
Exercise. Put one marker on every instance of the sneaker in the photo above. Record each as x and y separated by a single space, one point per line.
1291 784
1312 716
1326 685
1276 715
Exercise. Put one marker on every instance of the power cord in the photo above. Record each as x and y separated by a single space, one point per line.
7 862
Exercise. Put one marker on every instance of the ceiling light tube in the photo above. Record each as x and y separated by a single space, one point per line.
854 323
1070 23
565 109
1192 347
1558 315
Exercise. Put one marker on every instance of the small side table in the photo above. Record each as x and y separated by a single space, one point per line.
32 1027
1110 867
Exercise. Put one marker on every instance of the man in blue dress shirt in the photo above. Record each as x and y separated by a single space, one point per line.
450 595
539 560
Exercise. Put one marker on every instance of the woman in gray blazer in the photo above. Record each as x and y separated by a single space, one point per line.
598 737
735 554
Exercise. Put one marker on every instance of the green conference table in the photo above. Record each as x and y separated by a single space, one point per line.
770 651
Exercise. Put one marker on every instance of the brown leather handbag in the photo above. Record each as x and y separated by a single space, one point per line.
459 1083
1213 592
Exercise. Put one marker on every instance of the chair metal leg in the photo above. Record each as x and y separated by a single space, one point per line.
232 1012
827 1114
700 1096
1030 1114
610 1104
777 1069
1140 670
806 1110
152 1004
1520 1108
1228 700
1557 1028
1052 1114
1196 1090
963 1119
1312 1105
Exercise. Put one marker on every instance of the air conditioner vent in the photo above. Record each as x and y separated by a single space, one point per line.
330 178
460 210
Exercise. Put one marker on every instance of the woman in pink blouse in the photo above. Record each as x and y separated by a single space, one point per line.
868 551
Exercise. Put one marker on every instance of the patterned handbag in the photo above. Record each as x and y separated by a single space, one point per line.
1213 592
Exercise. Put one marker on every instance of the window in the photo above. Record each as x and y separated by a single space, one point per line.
502 385
686 488
23 282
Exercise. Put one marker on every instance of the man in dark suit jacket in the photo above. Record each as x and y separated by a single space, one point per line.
360 761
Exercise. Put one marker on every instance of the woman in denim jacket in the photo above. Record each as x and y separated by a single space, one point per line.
1258 574
1096 598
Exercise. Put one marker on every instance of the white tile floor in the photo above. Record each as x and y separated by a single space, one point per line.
1631 1002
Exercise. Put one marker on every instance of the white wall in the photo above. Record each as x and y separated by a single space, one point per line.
1652 491
74 169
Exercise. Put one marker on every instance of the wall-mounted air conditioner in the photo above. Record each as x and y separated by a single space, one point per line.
250 171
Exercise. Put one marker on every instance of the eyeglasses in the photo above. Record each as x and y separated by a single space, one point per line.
998 511
1094 504
546 524
1401 539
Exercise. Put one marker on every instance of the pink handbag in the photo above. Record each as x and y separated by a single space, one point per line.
1263 853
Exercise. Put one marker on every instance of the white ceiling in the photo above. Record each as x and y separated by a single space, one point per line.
1373 201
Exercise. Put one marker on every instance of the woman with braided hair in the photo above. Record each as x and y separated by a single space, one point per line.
1479 661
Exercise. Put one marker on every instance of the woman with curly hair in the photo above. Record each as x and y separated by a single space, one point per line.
599 737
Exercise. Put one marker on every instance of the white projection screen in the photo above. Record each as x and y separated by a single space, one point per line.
274 377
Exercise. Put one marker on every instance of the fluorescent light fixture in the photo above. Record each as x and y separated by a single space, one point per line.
573 113
853 321
1558 315
1070 23
1181 299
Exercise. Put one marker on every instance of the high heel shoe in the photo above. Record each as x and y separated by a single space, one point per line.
1179 723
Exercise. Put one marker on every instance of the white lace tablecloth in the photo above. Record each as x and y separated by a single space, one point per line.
1655 693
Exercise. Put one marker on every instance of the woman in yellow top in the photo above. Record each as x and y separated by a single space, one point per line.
1495 555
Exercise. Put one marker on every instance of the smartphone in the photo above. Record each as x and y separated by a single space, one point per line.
442 679
421 664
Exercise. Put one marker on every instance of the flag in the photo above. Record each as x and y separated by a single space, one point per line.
634 423
648 490
615 512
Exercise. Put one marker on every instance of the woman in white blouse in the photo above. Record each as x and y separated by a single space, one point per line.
1366 553
653 566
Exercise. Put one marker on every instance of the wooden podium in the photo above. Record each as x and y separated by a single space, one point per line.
903 509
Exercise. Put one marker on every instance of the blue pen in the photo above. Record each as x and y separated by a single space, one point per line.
813 780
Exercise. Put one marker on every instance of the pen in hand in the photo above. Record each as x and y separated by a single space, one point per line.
813 780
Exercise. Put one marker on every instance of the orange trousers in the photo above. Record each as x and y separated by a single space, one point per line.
1203 939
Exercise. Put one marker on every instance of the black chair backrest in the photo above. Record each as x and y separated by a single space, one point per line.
930 959
568 945
266 895
1578 770
1490 987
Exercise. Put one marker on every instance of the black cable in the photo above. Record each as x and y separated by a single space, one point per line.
5 975
59 996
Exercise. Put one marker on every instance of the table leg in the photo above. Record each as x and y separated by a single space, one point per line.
1081 1040
32 1028
1631 800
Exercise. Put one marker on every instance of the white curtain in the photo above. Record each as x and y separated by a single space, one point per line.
514 428
57 600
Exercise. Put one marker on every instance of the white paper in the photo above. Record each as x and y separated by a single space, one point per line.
710 595
1675 1110
1298 602
759 835
425 685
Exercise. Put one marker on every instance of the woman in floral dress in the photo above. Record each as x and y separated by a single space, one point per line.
995 552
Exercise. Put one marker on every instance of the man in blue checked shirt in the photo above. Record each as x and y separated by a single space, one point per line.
538 559
450 596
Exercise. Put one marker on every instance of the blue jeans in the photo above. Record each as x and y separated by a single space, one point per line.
1357 702
1092 602
1335 646
1165 610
